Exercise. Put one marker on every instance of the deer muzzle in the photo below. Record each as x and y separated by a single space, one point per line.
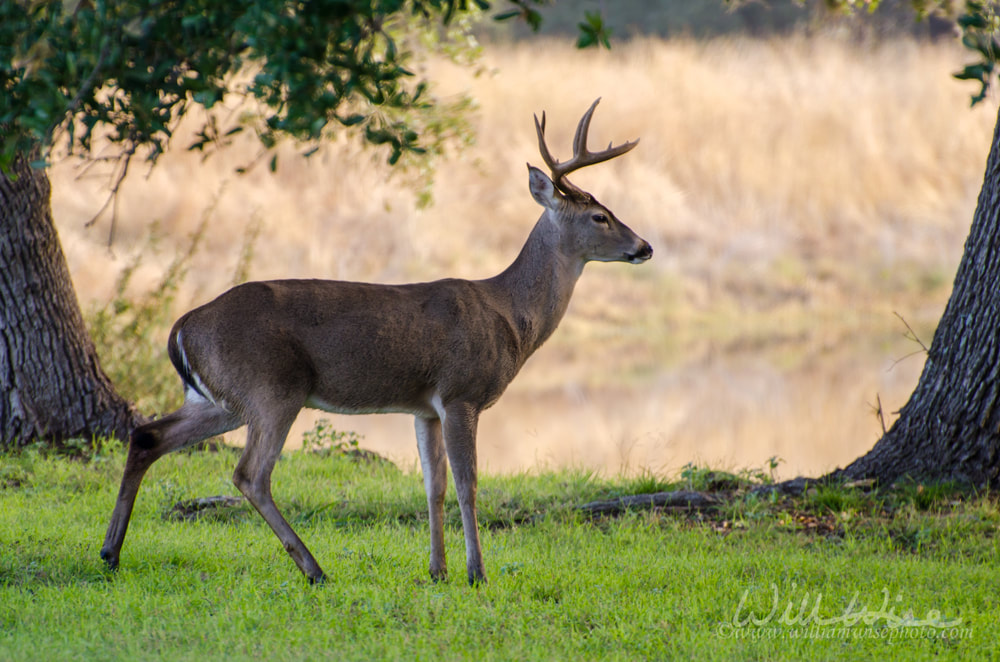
641 254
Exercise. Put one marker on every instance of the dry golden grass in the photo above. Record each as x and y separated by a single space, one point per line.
793 188
751 152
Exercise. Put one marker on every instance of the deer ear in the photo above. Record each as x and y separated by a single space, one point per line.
542 189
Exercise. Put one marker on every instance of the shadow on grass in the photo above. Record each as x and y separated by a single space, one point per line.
27 566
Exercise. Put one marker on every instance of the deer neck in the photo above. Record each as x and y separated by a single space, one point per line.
538 285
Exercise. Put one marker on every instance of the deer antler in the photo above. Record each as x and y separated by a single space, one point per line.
581 155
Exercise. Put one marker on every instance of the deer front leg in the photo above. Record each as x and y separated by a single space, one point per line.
460 422
253 478
435 468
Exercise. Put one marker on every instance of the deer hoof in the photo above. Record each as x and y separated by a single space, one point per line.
110 559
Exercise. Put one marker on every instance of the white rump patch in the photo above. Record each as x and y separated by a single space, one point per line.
193 394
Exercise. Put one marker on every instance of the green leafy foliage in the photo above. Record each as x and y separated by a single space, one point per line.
593 31
980 25
74 71
128 72
524 11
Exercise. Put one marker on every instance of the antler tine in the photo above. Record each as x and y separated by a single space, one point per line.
584 156
542 147
582 129
581 155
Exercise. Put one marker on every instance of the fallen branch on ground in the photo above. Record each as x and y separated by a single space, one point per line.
681 499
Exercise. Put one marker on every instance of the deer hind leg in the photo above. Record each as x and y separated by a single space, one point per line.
460 422
434 464
265 440
196 420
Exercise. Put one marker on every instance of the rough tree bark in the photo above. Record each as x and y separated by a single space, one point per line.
950 427
51 383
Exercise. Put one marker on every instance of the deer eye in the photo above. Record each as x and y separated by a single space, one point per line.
600 218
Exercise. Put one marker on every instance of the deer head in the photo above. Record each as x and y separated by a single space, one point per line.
588 229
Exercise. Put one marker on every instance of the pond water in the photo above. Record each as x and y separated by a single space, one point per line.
810 404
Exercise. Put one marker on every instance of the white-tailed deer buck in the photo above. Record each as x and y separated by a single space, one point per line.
441 351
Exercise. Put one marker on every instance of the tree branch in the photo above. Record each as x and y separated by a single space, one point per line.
125 159
680 499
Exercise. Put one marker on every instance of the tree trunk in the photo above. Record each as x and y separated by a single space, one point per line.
950 428
51 383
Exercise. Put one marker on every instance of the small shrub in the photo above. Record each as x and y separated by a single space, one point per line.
130 332
325 440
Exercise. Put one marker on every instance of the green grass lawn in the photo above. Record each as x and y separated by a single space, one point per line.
758 578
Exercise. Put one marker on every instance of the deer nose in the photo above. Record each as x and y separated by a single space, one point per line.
643 253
